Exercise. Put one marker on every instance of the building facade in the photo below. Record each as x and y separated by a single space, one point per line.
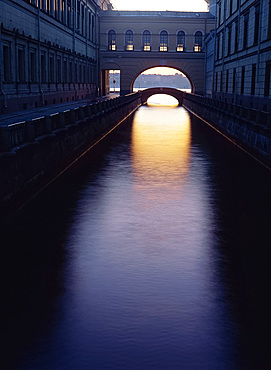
49 52
56 51
209 62
242 69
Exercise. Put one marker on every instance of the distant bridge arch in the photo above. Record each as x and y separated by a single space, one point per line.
147 93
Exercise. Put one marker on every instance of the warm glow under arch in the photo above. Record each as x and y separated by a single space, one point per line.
162 100
162 77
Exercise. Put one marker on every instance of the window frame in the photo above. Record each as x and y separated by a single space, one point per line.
163 44
129 40
112 41
180 47
6 63
21 64
198 41
146 40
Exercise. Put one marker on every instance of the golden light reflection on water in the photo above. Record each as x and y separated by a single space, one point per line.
160 152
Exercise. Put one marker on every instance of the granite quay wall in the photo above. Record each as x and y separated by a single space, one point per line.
33 153
248 128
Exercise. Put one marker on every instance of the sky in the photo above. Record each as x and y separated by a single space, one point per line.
162 71
177 5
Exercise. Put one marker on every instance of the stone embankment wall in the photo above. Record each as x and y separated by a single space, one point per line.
35 152
248 128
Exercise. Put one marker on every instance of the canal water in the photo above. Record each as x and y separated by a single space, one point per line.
152 252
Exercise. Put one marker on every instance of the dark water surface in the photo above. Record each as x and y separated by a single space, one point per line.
151 253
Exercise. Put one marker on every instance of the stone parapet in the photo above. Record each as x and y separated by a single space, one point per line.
35 152
250 129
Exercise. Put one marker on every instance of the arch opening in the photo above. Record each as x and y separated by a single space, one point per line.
162 77
164 100
114 81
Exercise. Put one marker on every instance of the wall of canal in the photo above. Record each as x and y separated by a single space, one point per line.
33 153
248 128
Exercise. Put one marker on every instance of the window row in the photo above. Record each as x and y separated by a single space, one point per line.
146 41
63 10
236 40
244 32
244 87
50 68
226 8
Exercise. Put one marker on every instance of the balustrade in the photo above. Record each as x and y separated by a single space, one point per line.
20 133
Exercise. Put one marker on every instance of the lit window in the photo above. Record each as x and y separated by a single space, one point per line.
198 42
129 40
146 41
181 41
163 41
112 40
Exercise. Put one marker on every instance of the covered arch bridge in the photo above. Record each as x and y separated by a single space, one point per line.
134 41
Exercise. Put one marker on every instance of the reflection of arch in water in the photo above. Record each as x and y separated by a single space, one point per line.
161 140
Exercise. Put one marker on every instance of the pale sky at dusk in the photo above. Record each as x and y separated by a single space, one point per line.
178 5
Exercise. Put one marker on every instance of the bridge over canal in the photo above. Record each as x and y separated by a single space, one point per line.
177 94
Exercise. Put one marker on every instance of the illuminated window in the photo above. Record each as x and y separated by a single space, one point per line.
129 40
181 41
163 41
146 41
198 42
112 40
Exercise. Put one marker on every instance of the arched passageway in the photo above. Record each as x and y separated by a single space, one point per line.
131 68
136 41
162 77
